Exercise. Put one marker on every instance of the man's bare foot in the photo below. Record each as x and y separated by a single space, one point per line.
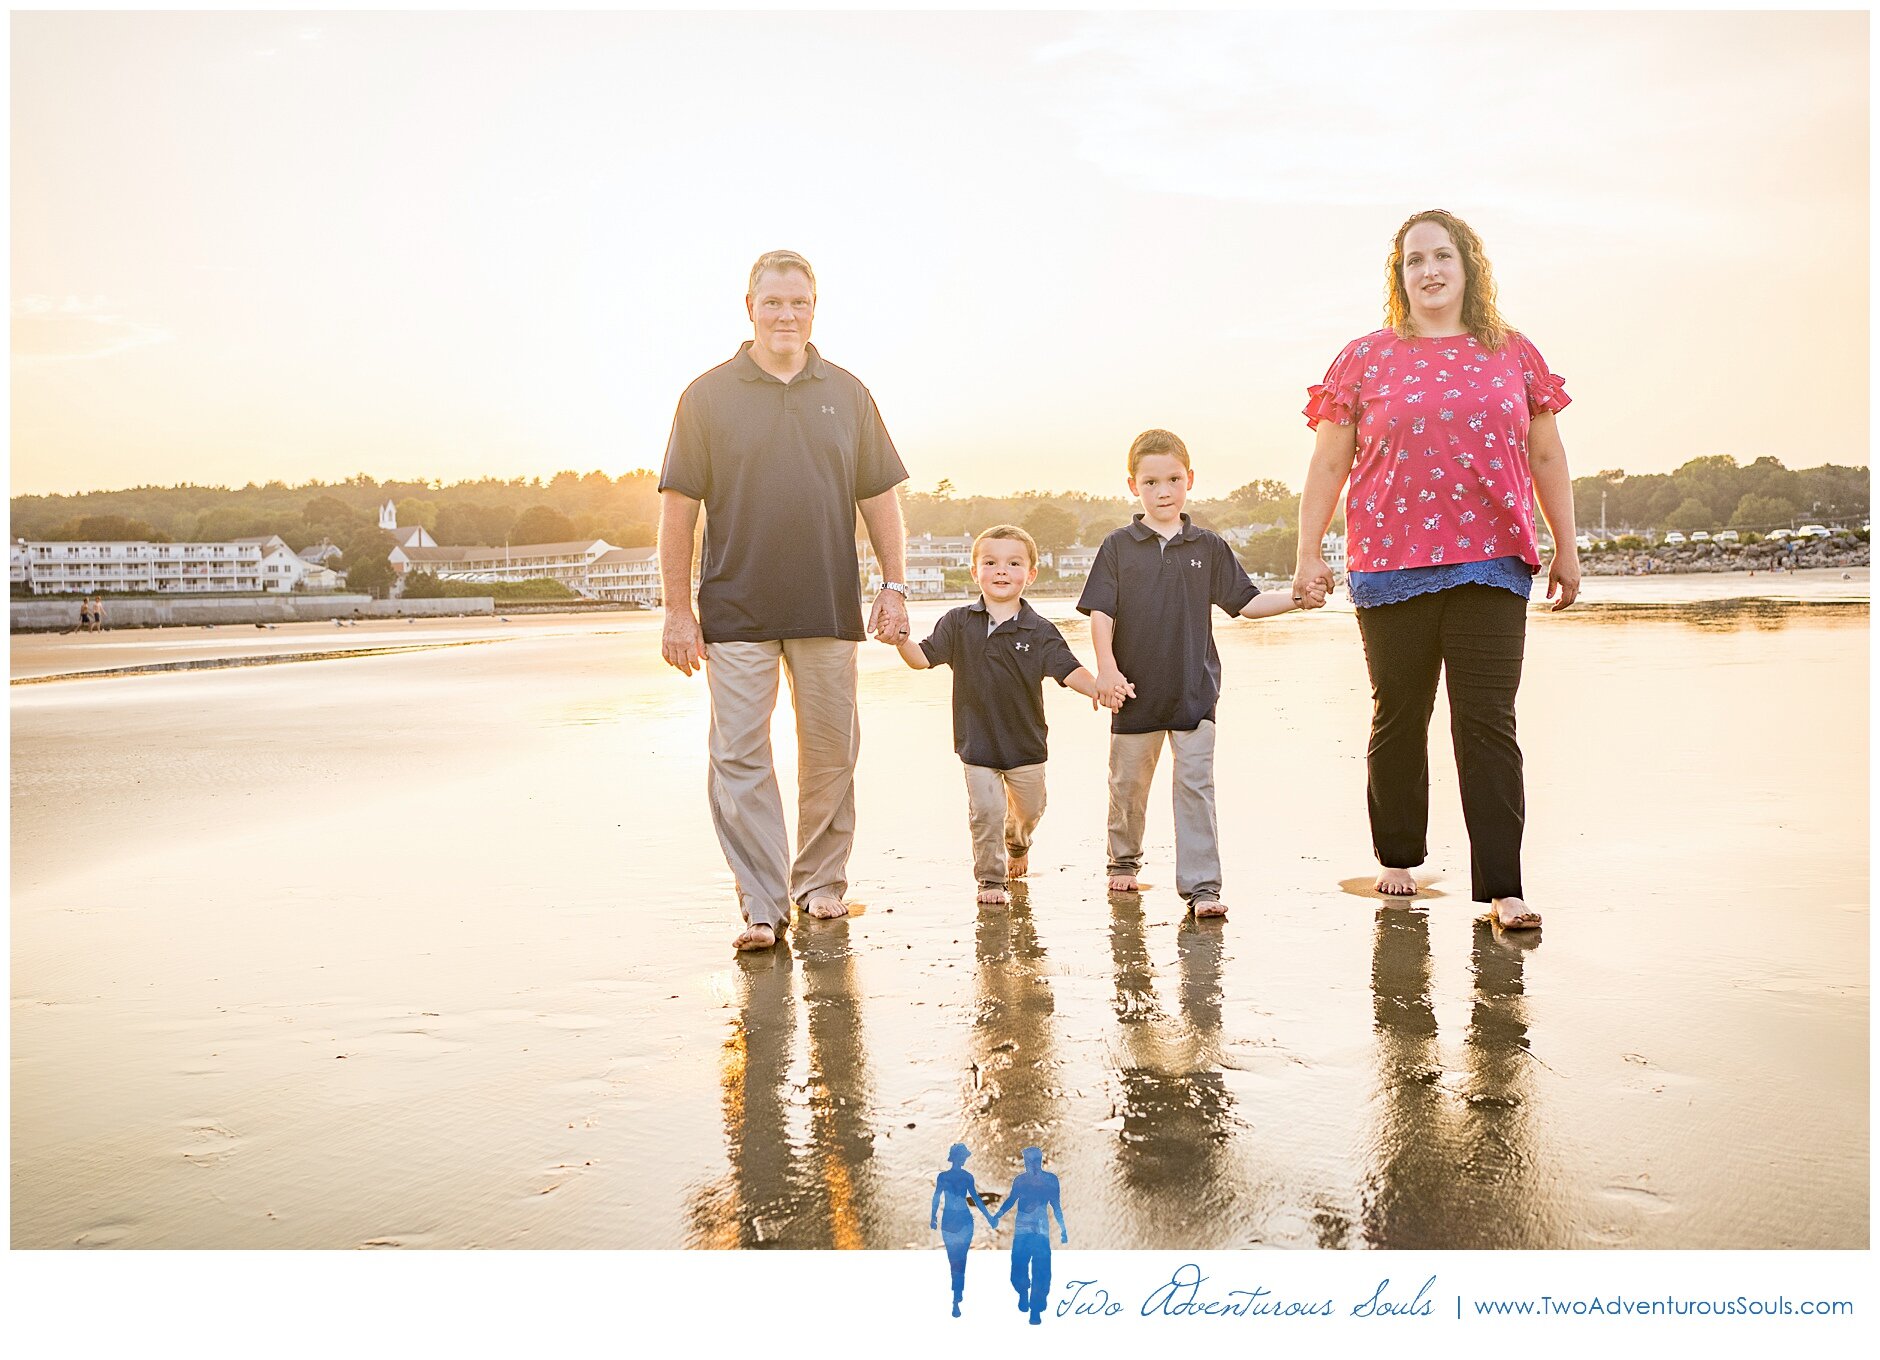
1208 909
826 908
1123 883
759 936
994 897
1395 883
1511 913
1016 866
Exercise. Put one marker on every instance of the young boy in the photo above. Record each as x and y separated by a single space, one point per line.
1000 651
1148 597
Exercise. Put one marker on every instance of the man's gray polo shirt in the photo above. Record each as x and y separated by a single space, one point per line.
1159 592
779 467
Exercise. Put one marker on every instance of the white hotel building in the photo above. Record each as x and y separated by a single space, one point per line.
258 565
591 567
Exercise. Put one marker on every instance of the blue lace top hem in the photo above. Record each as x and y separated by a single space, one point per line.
1369 588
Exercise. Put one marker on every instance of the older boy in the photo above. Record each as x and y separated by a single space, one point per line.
1148 597
1000 650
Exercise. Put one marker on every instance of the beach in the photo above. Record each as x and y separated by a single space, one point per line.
428 945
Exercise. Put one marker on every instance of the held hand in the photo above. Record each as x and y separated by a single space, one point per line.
1564 576
681 645
888 622
1312 583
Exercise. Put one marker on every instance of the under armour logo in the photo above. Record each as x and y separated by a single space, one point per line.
1021 646
1194 561
829 410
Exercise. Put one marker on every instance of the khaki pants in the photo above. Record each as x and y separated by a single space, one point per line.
1003 807
1133 757
747 809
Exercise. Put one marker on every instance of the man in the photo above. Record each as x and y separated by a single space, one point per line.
1034 1195
781 447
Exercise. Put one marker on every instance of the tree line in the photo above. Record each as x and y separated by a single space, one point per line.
1711 492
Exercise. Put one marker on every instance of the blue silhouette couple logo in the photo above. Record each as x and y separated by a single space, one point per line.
1034 1195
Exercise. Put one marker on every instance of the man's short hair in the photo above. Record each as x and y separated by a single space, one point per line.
1151 442
1011 531
783 261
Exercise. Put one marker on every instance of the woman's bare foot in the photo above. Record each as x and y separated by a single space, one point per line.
1016 866
994 897
1395 883
759 936
1123 883
826 908
1208 909
1511 913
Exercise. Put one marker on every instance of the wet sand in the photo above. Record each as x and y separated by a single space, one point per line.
430 948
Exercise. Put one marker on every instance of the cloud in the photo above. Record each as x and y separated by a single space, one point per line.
71 329
1624 114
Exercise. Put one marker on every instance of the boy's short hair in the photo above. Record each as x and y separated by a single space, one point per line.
1151 442
1011 531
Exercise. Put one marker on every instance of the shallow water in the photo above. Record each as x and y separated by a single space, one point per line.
432 949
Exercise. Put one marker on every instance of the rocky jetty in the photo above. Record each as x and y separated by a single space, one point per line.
1842 551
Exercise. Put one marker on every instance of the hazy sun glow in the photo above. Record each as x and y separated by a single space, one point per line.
249 247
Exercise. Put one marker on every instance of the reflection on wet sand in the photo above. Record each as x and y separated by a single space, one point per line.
1724 616
1176 1111
1017 1100
799 1144
1455 1164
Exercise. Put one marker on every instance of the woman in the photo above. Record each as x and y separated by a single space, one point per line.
1444 423
956 1227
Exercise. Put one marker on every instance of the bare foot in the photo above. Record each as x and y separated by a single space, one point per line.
759 936
1511 913
1208 909
1123 883
1395 883
1017 865
826 908
994 897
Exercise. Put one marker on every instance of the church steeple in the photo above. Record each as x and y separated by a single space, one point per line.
388 516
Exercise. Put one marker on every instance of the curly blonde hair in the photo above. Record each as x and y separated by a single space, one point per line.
1479 313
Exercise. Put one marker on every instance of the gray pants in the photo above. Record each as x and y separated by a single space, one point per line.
1133 756
1003 807
747 809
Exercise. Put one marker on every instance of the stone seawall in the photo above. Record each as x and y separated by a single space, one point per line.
42 616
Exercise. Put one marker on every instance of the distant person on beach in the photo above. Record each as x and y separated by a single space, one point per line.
1001 650
1034 1195
955 1190
1150 596
1444 424
84 615
781 448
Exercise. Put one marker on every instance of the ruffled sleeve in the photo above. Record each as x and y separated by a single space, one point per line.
1547 390
1336 399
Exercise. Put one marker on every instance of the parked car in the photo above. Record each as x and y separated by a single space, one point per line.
1674 537
1813 531
1700 537
1584 542
1780 535
1728 536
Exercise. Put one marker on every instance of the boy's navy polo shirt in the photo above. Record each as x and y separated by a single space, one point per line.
1159 593
779 467
998 681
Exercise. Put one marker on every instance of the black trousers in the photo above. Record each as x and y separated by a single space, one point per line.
1475 635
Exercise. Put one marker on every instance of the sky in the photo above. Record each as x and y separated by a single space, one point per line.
250 247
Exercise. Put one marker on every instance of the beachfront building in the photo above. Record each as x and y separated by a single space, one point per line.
627 574
955 551
1075 560
16 564
569 563
407 535
90 568
1332 549
321 553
